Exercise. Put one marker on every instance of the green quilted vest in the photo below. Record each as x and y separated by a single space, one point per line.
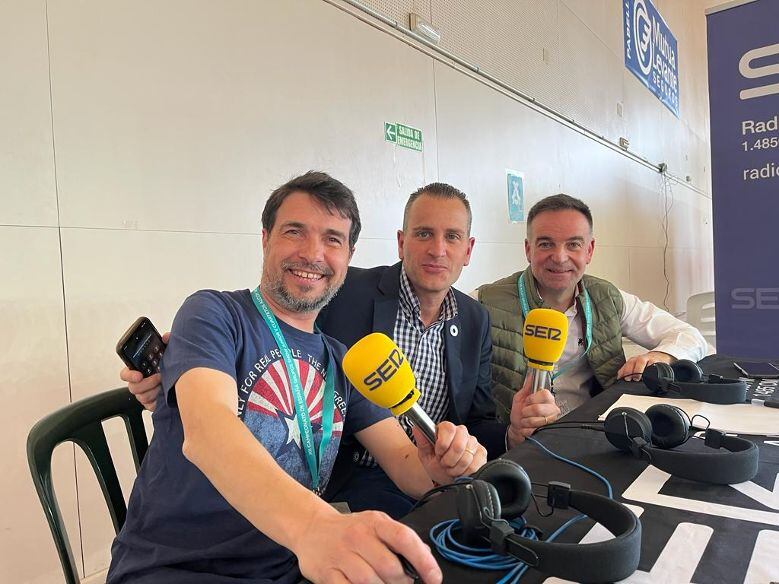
509 365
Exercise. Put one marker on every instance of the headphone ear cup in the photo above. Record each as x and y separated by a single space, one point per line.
686 371
511 482
478 505
657 376
622 425
670 426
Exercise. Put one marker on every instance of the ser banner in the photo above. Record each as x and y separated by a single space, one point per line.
743 43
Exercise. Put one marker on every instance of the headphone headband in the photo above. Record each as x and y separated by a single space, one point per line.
687 378
479 507
723 391
664 427
737 465
605 561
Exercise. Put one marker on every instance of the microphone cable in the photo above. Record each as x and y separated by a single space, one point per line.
597 426
481 558
442 535
596 474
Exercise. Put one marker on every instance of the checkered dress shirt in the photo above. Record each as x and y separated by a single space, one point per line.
424 348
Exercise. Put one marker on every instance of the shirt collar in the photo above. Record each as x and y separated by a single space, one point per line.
572 309
410 301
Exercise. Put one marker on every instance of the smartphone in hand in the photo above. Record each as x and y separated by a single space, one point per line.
141 347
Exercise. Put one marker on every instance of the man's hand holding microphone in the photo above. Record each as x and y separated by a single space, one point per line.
379 370
544 336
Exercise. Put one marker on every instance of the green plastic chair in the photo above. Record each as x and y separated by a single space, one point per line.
80 422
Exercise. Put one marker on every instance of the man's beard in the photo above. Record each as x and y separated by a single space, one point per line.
274 285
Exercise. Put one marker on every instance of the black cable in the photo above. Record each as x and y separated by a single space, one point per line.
434 491
538 509
667 189
567 422
571 426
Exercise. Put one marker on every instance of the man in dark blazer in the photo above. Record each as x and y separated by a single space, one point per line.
368 302
444 333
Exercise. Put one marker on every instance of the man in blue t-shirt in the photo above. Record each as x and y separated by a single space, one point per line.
253 407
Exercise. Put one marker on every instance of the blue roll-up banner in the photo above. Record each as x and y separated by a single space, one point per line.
743 44
650 51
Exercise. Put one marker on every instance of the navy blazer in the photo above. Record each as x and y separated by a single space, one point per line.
368 302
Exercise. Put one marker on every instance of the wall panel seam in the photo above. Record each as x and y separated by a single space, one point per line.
62 275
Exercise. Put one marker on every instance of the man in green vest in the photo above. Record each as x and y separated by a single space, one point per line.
559 246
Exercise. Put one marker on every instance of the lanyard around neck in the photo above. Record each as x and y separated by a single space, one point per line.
525 305
301 407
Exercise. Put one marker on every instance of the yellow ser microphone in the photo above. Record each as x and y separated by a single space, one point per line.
543 341
380 371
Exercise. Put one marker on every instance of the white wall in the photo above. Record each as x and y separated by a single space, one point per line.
139 140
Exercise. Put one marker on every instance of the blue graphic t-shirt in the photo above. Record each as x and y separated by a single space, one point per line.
179 528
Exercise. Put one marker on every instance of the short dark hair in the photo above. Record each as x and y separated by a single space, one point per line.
559 202
332 193
442 191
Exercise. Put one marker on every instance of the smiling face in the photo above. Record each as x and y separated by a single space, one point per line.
435 244
305 254
559 247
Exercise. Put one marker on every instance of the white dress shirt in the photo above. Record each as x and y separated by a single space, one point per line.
643 323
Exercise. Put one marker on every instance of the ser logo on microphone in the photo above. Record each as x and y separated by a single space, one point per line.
543 332
384 371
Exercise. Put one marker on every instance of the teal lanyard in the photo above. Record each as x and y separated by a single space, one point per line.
301 407
587 321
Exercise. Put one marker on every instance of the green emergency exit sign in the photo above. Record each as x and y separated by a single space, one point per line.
403 135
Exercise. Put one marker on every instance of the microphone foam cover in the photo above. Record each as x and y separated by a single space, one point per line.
380 372
544 336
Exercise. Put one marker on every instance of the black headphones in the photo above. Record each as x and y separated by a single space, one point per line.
501 490
687 378
663 427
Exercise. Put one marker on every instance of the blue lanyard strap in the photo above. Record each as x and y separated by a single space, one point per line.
587 321
301 407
